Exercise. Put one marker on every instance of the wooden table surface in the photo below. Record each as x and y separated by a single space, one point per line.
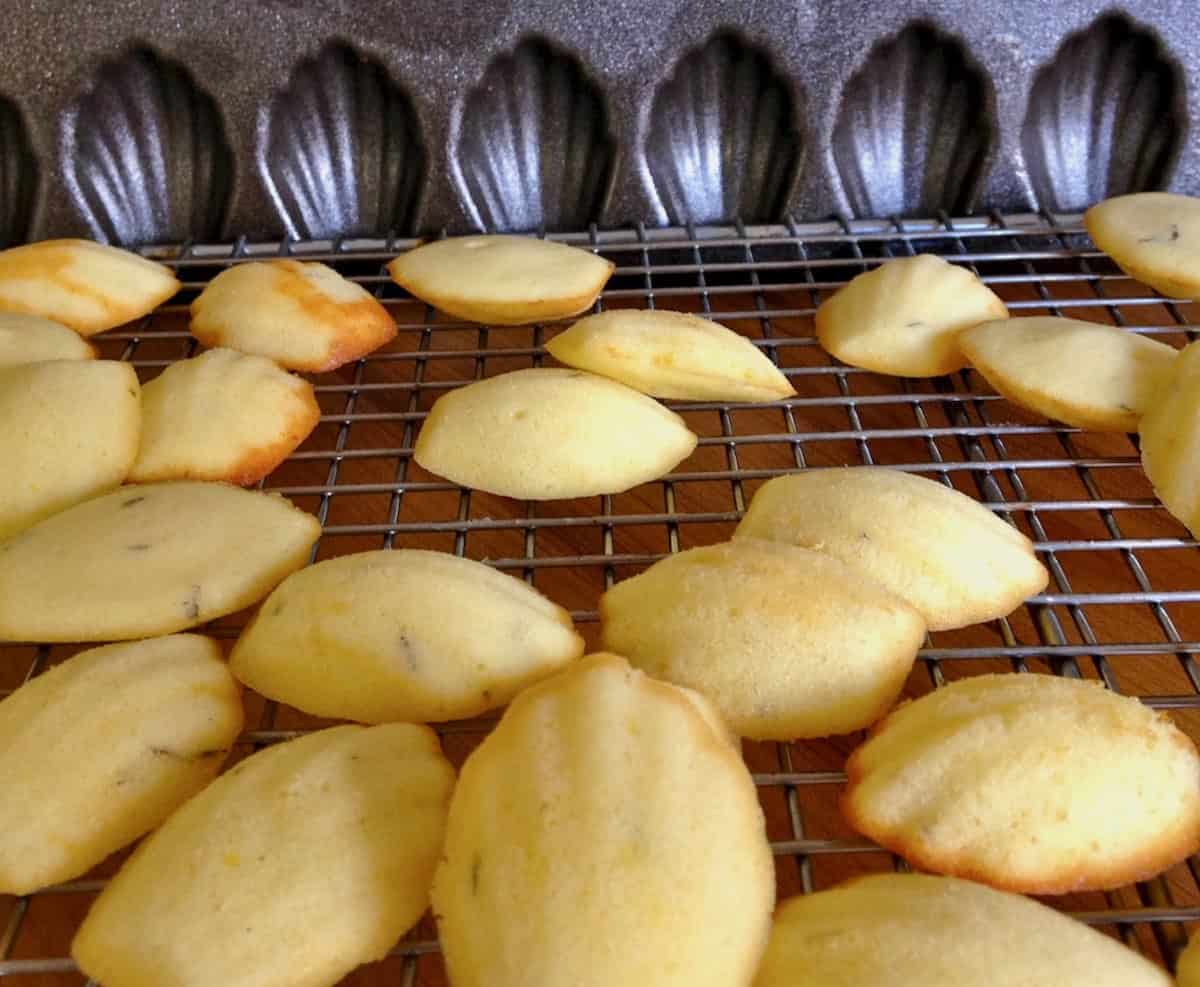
355 471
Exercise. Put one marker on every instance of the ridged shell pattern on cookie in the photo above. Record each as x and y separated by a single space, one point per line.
1106 116
531 147
18 176
339 149
722 138
145 155
915 129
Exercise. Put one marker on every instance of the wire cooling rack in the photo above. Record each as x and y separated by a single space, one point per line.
1121 605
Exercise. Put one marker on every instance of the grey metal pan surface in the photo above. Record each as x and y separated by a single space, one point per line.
137 122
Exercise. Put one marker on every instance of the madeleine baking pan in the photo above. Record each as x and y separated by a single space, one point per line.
141 121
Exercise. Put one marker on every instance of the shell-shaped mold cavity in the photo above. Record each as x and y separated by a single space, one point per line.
339 149
18 176
721 139
915 128
531 143
144 153
1106 116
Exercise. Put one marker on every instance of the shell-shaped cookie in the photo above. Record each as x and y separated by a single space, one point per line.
102 748
1170 440
1030 783
402 635
70 432
888 929
32 339
18 176
785 642
146 560
1085 374
671 355
304 316
222 415
915 128
1106 116
946 554
606 832
904 317
544 434
145 157
339 149
84 285
532 144
514 279
1152 236
721 139
304 861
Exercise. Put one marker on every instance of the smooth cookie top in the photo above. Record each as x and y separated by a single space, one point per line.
891 929
606 832
1152 236
1031 783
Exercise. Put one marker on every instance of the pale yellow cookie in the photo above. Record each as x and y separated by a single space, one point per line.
102 748
304 316
84 285
1170 440
304 861
946 554
70 431
146 560
32 339
546 434
671 355
1152 236
222 415
505 280
1082 373
1030 783
605 833
787 643
402 634
1187 968
912 930
904 317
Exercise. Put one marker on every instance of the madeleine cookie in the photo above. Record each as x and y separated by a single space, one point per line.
402 634
1152 236
1170 440
146 560
102 748
70 431
946 554
671 355
32 339
304 316
905 316
504 280
606 832
785 642
304 861
84 285
1082 373
222 415
1030 783
887 930
546 434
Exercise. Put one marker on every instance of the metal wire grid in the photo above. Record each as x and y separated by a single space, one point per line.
1125 577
